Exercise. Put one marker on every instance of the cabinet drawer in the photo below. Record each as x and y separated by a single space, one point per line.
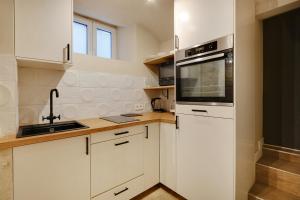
115 162
123 192
115 134
210 111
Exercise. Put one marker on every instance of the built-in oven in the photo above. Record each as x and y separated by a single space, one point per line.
205 73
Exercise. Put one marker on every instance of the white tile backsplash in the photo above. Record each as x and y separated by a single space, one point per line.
83 94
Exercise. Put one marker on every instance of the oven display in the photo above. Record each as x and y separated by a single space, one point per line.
202 49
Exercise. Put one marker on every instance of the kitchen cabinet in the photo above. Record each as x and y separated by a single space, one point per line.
125 191
43 32
151 155
201 21
55 170
168 155
115 162
205 157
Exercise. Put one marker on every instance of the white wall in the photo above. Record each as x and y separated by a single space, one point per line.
167 46
8 71
146 43
126 43
247 99
83 93
7 27
93 86
137 45
8 94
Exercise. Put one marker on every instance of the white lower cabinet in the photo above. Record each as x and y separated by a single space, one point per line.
168 155
112 165
125 191
55 170
115 162
151 155
205 157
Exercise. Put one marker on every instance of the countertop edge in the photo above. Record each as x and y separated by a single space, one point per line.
11 142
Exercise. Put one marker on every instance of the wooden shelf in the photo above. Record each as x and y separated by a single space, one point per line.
159 88
159 60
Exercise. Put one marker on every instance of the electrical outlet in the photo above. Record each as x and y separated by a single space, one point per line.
139 107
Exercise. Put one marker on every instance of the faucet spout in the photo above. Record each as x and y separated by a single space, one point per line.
51 117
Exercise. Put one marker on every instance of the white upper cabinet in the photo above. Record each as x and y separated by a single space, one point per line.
55 170
43 31
198 21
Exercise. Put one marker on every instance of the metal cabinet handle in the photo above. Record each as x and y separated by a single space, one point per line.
68 52
147 132
176 121
203 111
121 143
122 133
176 42
117 193
87 145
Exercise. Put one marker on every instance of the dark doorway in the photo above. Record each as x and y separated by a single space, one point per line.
282 80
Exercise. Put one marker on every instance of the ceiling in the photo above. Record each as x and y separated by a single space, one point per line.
154 15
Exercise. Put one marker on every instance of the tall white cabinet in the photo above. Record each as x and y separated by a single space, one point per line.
56 170
43 31
200 21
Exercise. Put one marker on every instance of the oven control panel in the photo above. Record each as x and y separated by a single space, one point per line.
212 46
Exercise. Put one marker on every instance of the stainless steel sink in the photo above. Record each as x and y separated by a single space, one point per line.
42 129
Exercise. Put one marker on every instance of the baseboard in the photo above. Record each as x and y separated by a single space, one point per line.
259 152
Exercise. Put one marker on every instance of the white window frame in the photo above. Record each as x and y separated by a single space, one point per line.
89 24
112 30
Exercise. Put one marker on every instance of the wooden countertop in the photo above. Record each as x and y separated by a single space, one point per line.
95 125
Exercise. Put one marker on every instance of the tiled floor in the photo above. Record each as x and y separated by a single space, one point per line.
160 194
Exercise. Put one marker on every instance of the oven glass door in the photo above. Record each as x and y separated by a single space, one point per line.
207 79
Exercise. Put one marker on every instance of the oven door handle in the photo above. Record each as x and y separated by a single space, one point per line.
201 59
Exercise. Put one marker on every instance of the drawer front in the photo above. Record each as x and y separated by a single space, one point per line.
210 111
115 134
115 162
123 192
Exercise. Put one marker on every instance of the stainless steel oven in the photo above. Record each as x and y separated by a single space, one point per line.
205 73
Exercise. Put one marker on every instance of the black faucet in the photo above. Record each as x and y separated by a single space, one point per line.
51 117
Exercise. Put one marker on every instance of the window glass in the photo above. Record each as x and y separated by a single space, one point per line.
80 38
104 43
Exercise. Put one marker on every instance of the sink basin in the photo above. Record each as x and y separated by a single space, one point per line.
42 129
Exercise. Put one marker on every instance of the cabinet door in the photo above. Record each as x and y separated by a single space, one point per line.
151 155
205 165
168 155
56 170
43 29
115 162
200 21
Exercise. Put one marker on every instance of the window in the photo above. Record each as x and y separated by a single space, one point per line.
105 40
82 34
80 38
93 38
104 44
